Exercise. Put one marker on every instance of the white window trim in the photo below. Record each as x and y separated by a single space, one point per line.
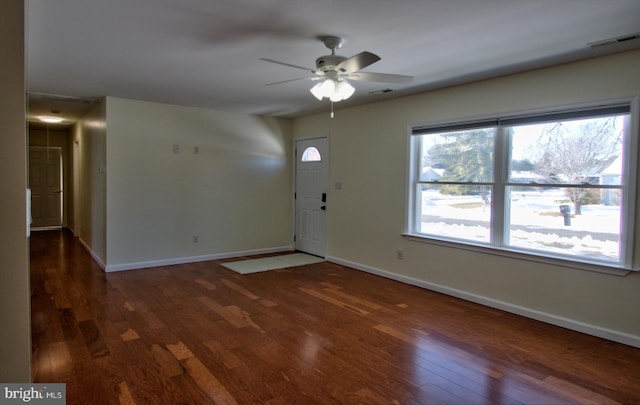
628 234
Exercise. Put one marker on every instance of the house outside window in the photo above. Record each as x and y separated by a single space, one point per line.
559 185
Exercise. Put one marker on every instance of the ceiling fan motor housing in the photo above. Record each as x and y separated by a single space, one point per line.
329 63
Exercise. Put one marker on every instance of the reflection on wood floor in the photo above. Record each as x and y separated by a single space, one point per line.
319 334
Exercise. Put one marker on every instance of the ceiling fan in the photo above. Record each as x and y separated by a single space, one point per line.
334 70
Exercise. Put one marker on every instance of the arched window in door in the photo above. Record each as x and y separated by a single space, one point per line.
311 154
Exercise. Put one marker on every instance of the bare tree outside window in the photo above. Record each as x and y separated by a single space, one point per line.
577 153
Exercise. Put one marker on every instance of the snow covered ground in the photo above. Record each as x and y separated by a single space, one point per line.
536 223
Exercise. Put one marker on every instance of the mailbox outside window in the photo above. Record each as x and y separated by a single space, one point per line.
565 210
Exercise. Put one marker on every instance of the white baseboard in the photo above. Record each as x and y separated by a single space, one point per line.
93 254
193 259
73 231
45 228
616 336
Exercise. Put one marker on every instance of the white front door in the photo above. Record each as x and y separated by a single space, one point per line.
46 188
312 168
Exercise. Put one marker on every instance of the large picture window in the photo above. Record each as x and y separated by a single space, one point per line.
557 185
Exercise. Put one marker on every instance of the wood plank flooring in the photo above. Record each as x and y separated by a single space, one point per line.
319 334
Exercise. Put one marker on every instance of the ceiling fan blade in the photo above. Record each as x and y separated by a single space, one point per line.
379 77
357 62
291 80
288 64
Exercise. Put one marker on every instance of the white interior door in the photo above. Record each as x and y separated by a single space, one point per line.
45 173
312 168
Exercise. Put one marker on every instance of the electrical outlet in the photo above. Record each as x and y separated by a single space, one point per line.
400 254
196 239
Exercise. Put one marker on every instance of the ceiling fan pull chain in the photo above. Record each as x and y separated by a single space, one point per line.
332 114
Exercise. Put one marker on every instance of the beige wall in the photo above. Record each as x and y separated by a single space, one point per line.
15 332
369 156
89 179
234 194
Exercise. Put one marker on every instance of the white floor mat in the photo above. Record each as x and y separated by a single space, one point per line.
272 263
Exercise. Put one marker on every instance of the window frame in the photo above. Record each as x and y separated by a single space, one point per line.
307 155
501 182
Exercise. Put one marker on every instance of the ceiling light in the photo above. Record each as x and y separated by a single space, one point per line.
50 119
334 90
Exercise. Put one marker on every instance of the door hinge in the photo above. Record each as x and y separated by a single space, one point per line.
294 238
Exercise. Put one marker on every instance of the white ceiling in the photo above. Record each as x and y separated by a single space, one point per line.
206 53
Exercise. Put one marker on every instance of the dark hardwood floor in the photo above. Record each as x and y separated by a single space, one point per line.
319 334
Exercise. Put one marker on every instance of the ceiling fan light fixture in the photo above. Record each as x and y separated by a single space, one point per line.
323 89
332 89
343 91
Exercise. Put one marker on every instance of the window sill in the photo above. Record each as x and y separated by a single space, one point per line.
515 254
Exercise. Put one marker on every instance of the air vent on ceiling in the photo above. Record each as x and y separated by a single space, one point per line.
613 41
380 91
